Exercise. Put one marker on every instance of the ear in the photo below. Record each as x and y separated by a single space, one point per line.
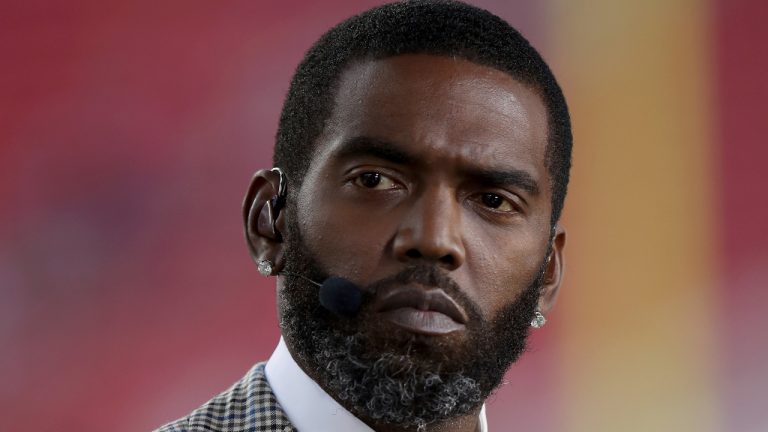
262 221
553 274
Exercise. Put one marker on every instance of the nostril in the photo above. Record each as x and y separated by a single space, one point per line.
448 259
413 253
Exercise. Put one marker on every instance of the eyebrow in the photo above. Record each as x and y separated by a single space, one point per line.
363 146
373 147
506 177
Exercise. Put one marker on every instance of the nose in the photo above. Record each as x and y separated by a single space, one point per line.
430 231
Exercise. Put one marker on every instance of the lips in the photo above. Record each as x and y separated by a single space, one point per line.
420 310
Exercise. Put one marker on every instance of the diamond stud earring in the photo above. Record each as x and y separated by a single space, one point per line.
265 267
538 320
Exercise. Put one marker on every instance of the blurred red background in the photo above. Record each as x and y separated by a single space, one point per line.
128 134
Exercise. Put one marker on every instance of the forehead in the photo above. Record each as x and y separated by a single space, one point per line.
441 109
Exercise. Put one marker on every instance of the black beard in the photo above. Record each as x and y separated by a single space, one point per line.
397 377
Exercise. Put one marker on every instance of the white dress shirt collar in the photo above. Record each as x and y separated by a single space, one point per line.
307 405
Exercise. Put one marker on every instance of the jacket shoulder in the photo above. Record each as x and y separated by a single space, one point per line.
249 405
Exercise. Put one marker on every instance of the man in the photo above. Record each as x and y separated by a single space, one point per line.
423 156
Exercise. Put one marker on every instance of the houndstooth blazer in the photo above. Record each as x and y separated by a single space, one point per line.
248 406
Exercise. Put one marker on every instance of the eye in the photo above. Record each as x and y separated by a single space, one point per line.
375 180
496 202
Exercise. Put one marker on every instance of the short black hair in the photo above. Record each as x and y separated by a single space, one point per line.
436 27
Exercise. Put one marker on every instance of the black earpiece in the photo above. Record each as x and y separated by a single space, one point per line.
271 210
278 201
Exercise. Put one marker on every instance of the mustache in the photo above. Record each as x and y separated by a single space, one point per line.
426 275
429 276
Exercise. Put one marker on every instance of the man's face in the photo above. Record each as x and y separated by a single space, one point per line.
429 178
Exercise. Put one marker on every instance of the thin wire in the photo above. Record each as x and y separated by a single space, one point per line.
298 275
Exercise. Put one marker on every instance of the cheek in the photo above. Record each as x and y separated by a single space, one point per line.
499 267
344 240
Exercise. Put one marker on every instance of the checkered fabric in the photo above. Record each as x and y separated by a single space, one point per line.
248 406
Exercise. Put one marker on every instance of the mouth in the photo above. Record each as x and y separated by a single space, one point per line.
420 310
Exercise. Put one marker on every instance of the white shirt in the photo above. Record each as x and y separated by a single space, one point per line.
307 405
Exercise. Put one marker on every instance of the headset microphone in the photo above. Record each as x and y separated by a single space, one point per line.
341 296
337 294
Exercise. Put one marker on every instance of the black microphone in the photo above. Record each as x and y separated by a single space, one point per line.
337 294
341 296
